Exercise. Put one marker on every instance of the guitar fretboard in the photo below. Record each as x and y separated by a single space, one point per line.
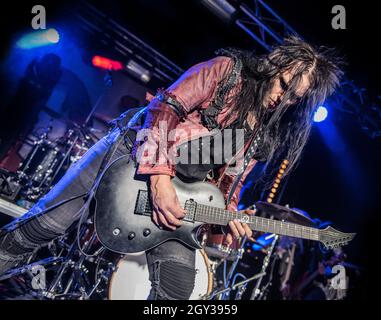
212 215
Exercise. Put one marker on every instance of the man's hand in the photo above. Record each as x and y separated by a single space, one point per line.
166 206
238 229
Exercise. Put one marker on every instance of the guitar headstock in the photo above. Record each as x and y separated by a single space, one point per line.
332 238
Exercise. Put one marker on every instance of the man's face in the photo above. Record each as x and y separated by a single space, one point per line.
280 86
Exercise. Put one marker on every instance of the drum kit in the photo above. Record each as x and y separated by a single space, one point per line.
48 159
77 266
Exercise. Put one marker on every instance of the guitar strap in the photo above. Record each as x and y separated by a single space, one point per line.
251 151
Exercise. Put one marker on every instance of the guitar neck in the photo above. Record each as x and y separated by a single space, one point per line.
212 215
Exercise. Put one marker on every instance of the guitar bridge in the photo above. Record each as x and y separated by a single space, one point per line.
190 208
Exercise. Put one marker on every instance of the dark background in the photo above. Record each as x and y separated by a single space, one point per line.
339 176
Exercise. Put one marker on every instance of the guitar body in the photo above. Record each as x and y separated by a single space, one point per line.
123 214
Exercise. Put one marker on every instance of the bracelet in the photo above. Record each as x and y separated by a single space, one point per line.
172 103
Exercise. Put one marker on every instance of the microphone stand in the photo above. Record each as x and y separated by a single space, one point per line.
256 291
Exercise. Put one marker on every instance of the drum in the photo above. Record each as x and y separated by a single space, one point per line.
130 281
42 163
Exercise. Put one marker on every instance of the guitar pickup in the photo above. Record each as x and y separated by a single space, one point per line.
143 203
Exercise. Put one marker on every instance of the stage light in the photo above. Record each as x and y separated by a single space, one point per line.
138 71
105 63
52 36
38 39
320 114
131 67
221 8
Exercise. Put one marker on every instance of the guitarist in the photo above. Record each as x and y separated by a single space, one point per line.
273 95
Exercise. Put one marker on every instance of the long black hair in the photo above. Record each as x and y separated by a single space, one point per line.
285 130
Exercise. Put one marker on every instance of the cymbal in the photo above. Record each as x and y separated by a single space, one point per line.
293 215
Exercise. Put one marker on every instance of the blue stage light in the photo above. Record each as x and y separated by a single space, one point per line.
38 38
320 114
